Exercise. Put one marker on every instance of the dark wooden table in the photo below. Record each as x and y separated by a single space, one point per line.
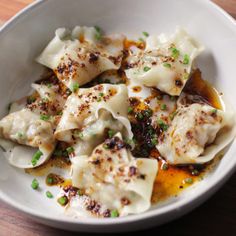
217 216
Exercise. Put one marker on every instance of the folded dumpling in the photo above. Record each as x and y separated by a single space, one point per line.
79 56
197 133
33 138
165 63
89 112
50 100
114 179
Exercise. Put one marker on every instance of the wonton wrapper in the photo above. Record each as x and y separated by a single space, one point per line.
110 176
89 112
197 133
54 101
78 57
149 66
26 128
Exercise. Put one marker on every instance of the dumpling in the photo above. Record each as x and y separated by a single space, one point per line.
50 100
89 112
165 63
79 56
26 128
114 179
197 133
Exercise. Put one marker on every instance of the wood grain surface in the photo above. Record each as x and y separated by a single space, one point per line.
217 216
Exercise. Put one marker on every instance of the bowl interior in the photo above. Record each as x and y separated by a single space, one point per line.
24 38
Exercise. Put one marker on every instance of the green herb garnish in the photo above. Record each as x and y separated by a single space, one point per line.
80 192
36 157
154 141
172 115
35 184
141 40
49 194
163 107
114 213
130 109
146 34
167 65
140 116
162 125
175 52
49 180
31 99
111 133
70 150
186 59
188 180
20 134
62 200
147 113
98 34
78 134
44 117
164 166
146 68
75 87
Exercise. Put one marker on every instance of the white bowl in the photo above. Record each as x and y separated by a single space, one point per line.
24 37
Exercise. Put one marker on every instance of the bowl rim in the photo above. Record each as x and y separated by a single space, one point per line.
201 195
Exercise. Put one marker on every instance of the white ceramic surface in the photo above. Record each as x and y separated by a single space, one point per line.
24 37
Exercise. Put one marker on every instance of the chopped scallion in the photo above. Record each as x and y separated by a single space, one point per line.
35 184
75 87
167 65
70 150
36 157
146 34
154 141
188 180
163 107
62 200
49 180
114 213
140 116
146 68
44 117
98 34
78 134
141 40
130 109
186 59
111 133
19 134
175 52
49 194
164 166
162 125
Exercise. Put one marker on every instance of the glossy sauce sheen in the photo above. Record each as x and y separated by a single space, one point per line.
169 182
